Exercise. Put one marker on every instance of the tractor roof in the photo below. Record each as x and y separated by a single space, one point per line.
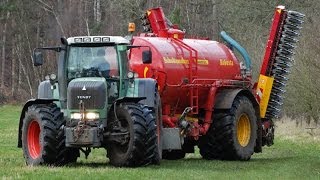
97 39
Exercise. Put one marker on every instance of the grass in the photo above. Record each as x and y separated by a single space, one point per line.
287 159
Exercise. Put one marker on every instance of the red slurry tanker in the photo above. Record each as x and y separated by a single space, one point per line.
207 95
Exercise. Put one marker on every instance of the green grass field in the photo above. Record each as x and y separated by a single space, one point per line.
287 159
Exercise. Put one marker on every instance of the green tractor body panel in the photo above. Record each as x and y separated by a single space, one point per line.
92 82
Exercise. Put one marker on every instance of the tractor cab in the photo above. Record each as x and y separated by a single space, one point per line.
98 57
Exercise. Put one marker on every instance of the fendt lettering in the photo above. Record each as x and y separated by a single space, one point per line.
83 97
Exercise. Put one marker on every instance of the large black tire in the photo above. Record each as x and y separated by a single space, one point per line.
159 124
152 154
154 132
39 132
65 154
133 152
233 134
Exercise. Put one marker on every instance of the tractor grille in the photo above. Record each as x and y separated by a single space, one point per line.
91 93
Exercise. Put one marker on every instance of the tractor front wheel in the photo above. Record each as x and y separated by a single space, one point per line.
39 133
131 122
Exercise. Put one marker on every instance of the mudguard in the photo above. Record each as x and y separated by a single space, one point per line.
147 87
225 97
44 90
25 108
129 99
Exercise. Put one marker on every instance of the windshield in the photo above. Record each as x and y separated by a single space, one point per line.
92 62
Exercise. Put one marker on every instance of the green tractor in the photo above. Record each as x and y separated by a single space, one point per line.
93 102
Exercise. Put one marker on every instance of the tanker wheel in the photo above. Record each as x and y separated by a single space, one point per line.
132 150
39 132
173 154
233 133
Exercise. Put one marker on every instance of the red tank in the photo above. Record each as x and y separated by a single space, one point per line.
202 84
170 66
189 72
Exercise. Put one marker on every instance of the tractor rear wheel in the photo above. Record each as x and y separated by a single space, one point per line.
39 131
152 137
233 133
154 132
132 151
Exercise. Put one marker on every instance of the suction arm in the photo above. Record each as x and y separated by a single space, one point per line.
233 43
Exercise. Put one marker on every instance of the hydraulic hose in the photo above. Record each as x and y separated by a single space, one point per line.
234 44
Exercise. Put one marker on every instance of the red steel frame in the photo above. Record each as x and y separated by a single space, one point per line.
273 41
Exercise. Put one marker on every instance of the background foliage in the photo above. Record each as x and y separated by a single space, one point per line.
26 24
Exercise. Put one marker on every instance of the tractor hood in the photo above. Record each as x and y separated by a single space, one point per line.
90 93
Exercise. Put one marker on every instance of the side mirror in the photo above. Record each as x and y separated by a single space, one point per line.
147 57
64 41
37 58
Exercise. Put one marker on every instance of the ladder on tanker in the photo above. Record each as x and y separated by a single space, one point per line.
192 68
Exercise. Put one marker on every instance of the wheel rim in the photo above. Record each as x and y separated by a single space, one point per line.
34 139
243 130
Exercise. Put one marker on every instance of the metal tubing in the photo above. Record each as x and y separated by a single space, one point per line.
209 108
169 121
238 47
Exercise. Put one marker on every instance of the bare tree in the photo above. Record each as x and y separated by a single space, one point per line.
4 41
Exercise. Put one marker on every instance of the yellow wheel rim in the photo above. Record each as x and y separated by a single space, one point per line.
243 130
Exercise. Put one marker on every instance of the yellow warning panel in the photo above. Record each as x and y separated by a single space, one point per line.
263 92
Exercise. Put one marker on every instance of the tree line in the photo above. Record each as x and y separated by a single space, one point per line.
27 24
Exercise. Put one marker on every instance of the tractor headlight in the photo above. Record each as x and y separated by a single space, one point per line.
92 115
88 115
76 115
53 77
130 75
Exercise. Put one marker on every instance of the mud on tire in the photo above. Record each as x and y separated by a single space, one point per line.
133 152
43 140
65 154
154 131
39 132
153 146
